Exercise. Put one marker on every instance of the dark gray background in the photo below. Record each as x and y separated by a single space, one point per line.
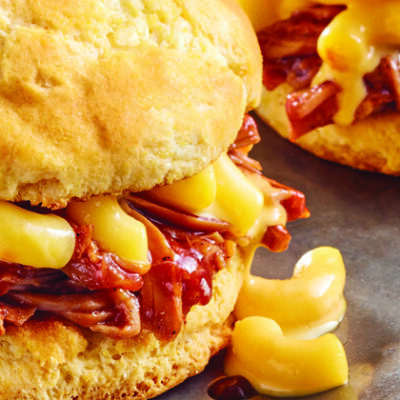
359 213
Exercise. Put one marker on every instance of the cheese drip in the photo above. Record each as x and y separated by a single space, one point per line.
276 365
351 46
276 343
33 239
306 306
222 191
113 228
349 50
189 195
237 200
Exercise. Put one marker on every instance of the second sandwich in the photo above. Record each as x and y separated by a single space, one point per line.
332 77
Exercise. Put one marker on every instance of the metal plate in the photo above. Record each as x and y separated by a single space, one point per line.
359 213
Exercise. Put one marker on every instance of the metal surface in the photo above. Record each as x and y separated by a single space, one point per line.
359 213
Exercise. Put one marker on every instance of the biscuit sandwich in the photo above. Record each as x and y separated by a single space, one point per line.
129 207
332 77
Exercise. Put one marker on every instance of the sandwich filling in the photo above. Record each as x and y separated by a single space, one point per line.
117 266
342 62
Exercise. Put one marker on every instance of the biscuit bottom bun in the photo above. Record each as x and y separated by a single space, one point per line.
332 77
129 207
55 360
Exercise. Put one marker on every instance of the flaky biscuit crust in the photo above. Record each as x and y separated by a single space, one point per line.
54 360
107 96
372 144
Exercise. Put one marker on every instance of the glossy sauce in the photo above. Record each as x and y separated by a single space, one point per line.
231 388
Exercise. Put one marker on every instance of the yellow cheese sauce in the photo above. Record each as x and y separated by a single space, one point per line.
37 240
351 46
277 344
273 213
276 365
113 228
189 195
221 190
249 203
237 200
307 305
349 50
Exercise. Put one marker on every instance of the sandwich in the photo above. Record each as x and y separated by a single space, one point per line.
331 78
129 207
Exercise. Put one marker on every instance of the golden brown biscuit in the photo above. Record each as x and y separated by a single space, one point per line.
101 97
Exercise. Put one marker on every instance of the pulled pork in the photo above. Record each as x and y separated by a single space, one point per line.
99 291
290 55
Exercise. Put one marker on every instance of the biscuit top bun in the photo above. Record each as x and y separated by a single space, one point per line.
101 97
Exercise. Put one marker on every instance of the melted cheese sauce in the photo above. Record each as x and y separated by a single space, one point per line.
237 200
306 306
248 202
113 228
349 50
272 213
350 46
221 190
37 240
277 365
280 343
